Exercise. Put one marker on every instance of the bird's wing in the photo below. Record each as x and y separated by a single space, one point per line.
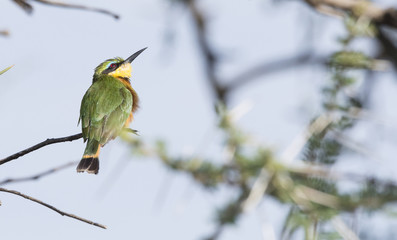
104 109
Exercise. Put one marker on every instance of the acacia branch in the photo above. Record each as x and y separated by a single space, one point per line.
53 208
49 141
39 175
381 17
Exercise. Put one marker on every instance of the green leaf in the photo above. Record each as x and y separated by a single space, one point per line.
5 70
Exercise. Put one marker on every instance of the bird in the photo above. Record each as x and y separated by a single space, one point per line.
108 107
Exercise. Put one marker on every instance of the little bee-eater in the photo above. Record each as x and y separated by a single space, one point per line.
107 107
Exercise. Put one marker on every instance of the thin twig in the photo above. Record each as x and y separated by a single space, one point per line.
350 143
53 208
317 126
341 227
216 233
273 67
40 145
308 194
39 175
75 6
24 5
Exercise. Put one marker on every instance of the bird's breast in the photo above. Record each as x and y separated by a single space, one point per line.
135 98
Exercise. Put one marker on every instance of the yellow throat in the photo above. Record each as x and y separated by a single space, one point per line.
124 71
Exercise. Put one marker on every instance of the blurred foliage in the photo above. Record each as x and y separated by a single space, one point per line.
314 197
311 191
351 60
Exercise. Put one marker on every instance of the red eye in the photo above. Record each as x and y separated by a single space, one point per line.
113 66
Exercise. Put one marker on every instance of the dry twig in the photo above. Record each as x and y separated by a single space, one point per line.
40 145
28 7
39 175
249 75
52 208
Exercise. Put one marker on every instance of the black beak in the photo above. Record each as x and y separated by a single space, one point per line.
133 56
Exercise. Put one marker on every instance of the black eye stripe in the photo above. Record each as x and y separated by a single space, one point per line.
110 68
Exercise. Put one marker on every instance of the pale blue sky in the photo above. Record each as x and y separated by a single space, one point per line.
55 51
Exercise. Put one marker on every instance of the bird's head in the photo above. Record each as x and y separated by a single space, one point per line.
116 67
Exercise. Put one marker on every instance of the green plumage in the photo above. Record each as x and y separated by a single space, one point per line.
104 110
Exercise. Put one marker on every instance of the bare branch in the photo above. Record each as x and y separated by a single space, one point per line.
81 7
24 5
40 145
210 60
272 67
28 7
53 208
39 175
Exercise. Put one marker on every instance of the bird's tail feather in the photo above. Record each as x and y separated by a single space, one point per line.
89 165
90 162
